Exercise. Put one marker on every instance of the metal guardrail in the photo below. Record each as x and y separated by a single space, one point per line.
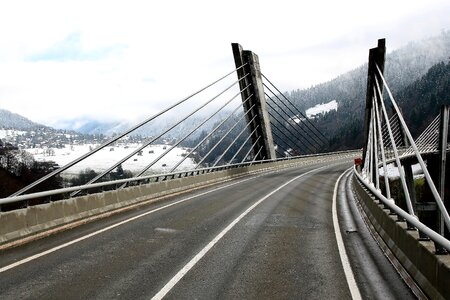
158 177
436 237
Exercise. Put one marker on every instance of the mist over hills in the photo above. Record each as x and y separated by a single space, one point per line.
93 131
153 128
25 134
402 67
91 126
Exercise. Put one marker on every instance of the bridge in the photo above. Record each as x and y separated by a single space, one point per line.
261 211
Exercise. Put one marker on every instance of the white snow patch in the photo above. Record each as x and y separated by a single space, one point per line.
108 156
321 109
393 173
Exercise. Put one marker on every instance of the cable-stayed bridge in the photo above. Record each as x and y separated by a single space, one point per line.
254 208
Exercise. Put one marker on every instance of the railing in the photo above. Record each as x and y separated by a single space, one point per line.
159 177
413 220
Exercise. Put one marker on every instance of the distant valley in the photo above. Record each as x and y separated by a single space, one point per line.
419 75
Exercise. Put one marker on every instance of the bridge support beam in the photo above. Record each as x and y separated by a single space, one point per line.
436 164
443 142
256 105
409 177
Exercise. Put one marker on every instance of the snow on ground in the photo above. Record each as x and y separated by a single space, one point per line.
393 173
108 156
321 109
9 133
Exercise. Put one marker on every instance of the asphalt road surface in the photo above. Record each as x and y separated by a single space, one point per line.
266 236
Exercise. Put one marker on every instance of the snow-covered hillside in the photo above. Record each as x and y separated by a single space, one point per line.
105 158
12 120
322 108
9 133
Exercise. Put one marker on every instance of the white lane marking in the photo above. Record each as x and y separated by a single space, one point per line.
354 291
167 230
35 256
172 282
38 255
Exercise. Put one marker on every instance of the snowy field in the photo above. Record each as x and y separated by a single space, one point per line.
312 112
321 109
108 156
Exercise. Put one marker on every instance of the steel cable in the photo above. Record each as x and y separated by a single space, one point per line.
112 140
307 120
299 132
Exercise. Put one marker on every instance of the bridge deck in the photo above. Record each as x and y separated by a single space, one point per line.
283 247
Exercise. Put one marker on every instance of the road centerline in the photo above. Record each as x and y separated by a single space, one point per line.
183 271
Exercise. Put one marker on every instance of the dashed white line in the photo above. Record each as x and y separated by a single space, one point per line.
175 279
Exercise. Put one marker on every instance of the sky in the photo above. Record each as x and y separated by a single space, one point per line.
125 60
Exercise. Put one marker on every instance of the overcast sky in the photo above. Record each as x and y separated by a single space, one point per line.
128 59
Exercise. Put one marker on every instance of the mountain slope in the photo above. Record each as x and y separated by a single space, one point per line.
421 101
26 134
14 121
402 68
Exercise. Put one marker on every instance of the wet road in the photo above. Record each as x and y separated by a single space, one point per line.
267 236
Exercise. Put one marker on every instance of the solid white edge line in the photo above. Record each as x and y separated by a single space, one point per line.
175 279
354 290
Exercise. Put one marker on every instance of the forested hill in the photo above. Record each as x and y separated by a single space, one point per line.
420 103
422 100
403 69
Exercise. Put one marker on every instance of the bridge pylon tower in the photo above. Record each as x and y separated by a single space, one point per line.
376 58
250 77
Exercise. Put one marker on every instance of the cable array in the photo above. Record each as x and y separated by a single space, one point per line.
211 133
389 140
220 98
291 128
428 140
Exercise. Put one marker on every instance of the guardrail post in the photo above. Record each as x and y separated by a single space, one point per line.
257 100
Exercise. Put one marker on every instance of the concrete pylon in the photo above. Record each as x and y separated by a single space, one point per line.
250 77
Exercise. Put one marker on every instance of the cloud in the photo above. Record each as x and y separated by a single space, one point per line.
114 60
70 49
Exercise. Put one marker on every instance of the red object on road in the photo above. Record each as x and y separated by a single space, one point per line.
358 161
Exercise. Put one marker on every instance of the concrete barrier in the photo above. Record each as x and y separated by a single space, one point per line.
431 272
24 222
